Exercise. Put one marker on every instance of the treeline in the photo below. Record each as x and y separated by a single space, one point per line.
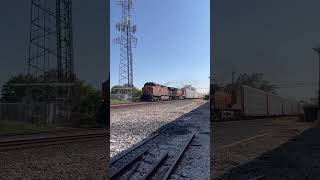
254 80
86 98
136 93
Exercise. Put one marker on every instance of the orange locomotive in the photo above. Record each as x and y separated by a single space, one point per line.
156 92
105 90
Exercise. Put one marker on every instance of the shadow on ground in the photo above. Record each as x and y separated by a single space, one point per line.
179 122
179 125
299 158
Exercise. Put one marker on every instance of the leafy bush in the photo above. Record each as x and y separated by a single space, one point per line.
136 94
11 93
87 98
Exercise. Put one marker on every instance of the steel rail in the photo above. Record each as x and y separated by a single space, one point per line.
133 148
155 166
51 131
44 141
172 167
117 173
114 106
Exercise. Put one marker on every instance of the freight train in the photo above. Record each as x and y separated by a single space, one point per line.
245 101
156 92
105 91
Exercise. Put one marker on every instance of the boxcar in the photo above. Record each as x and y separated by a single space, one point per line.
187 93
190 94
245 101
254 102
286 107
274 105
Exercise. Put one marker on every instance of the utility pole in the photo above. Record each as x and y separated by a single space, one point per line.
317 50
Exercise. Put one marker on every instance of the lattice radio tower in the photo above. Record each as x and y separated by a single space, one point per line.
51 50
127 41
51 45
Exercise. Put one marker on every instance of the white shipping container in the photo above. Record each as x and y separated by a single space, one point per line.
274 105
254 102
195 94
292 107
287 107
295 107
188 93
301 108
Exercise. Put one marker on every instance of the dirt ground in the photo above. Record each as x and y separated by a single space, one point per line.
235 143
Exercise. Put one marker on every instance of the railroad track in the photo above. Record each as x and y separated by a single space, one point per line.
56 137
49 131
135 104
130 104
143 103
155 163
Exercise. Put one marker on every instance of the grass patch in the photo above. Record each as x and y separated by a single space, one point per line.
117 101
17 127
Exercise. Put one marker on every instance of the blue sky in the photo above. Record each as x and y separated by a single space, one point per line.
271 37
173 42
90 32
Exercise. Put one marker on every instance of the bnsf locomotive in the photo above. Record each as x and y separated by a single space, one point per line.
244 101
156 92
105 90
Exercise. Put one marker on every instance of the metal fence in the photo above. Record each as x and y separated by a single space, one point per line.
121 96
35 112
13 111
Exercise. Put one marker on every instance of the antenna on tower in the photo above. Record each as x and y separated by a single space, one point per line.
127 41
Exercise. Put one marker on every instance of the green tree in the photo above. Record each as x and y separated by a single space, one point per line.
136 94
120 89
115 89
12 93
256 80
87 99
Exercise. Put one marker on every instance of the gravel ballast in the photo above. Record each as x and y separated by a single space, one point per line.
81 160
132 124
172 137
195 162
